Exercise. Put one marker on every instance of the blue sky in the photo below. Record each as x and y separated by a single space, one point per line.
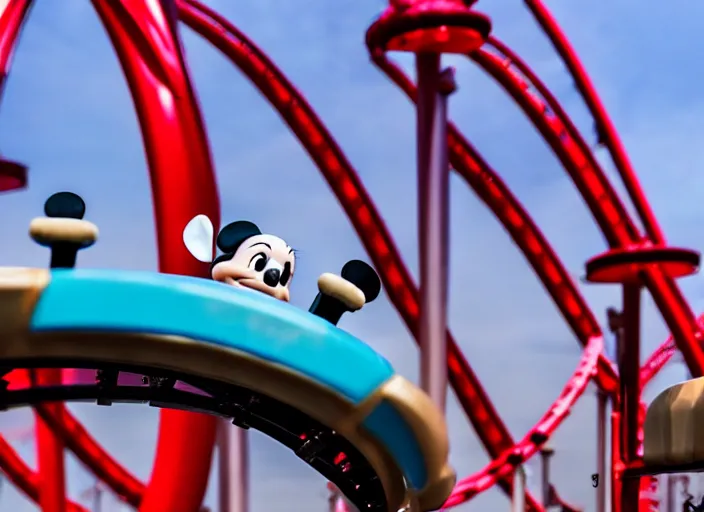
67 114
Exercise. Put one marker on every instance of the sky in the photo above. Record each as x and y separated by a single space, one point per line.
67 113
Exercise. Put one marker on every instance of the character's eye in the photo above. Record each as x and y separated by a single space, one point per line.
258 261
286 274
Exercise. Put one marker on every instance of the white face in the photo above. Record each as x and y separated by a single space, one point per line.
264 262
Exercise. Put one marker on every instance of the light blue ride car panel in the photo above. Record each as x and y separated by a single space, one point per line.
387 425
241 319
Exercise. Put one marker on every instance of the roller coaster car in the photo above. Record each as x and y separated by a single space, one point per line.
674 430
261 362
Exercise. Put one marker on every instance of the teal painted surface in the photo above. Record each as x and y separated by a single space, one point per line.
245 320
387 425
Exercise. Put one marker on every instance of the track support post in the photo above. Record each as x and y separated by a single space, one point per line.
627 266
518 499
434 87
429 29
628 350
546 454
602 403
233 467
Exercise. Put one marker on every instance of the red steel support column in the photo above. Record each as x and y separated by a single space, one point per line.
629 371
602 402
616 463
630 266
50 454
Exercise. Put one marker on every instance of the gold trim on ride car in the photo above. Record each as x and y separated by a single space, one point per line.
20 289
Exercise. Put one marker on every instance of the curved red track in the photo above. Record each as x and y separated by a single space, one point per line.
149 52
24 478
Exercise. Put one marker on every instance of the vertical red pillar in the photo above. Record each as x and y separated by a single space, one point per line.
629 267
616 463
50 454
629 372
602 403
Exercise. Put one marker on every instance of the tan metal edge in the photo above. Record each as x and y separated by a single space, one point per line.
674 426
341 289
20 289
429 429
45 230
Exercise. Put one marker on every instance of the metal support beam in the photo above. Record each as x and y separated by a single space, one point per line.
434 87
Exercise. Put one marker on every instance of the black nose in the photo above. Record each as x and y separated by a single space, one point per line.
271 277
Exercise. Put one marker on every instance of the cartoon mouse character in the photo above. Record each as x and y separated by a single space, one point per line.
250 259
266 263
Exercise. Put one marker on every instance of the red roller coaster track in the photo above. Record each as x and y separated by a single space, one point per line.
148 47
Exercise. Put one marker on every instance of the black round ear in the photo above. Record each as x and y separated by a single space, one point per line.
364 277
232 235
66 205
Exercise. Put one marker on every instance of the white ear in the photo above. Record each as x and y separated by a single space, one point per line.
198 238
